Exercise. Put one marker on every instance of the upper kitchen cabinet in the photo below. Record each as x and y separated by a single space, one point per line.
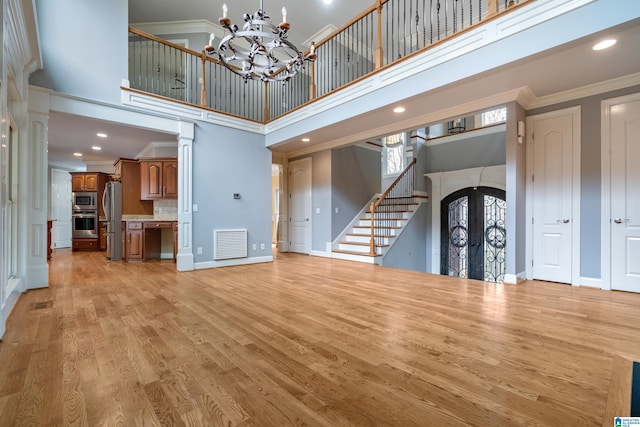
82 181
158 179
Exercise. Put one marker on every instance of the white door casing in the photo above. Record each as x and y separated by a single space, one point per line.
621 193
61 209
300 206
553 178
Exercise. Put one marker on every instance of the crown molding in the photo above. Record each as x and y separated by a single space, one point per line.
584 91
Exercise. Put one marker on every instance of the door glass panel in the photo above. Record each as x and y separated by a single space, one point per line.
495 238
459 237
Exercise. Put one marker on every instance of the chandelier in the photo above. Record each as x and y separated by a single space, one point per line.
260 50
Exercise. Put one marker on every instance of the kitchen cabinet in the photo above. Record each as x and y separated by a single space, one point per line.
90 182
135 240
144 239
127 171
79 243
158 179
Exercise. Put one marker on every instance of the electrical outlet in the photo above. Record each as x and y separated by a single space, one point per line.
254 247
261 245
199 251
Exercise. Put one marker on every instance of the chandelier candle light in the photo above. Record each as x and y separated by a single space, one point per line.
260 50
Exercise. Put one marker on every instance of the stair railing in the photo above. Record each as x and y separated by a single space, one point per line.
387 210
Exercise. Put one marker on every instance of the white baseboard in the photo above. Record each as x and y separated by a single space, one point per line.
321 254
515 279
10 303
591 282
232 262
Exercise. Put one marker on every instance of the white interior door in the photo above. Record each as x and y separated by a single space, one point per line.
625 195
300 206
61 209
553 196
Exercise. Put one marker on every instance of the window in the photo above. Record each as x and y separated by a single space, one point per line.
498 115
393 154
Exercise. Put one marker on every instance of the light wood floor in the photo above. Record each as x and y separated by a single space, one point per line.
311 341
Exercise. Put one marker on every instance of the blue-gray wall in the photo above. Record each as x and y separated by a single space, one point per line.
409 250
321 200
84 47
590 175
355 178
228 161
485 150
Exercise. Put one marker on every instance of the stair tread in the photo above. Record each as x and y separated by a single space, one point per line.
342 251
368 235
362 244
386 219
369 227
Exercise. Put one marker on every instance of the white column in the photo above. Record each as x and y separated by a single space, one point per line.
184 261
33 187
435 198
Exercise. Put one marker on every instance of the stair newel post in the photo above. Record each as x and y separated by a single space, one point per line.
372 243
203 86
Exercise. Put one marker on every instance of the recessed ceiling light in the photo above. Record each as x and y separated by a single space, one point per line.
604 44
327 1
399 110
101 135
305 140
77 154
96 148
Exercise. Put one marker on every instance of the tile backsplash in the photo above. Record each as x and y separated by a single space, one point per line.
168 208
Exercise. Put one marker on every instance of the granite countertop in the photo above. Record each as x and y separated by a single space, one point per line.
146 218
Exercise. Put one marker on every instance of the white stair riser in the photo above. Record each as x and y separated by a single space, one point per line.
365 223
404 215
365 239
356 248
391 232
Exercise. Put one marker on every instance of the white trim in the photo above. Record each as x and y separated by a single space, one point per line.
179 27
575 191
585 91
591 282
232 262
605 213
514 279
322 254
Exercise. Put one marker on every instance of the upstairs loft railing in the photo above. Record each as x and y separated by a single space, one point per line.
387 212
380 36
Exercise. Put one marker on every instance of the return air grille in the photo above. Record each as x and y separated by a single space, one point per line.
229 244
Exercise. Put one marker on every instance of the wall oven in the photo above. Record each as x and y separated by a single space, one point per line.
85 224
84 200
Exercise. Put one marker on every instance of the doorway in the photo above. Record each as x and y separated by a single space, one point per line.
620 195
300 206
474 234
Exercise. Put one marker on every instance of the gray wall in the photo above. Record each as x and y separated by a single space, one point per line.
89 61
485 150
355 178
227 161
321 200
590 175
409 251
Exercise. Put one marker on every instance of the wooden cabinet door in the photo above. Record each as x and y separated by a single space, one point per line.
91 182
103 236
170 179
151 180
135 244
77 182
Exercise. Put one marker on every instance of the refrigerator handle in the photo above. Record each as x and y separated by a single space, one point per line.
105 206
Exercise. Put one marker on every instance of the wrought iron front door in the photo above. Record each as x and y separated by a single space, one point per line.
474 234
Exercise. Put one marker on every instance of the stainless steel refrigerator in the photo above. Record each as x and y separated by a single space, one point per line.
112 205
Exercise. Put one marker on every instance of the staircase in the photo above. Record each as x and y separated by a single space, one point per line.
355 242
373 231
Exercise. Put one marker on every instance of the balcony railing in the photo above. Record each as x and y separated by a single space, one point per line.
379 37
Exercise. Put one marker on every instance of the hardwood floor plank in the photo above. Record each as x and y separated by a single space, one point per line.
310 341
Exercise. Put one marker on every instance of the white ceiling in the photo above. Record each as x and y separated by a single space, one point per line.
562 69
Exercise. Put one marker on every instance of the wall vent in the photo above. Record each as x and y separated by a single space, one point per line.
229 244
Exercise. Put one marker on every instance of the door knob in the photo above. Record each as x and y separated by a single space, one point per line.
563 221
620 220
